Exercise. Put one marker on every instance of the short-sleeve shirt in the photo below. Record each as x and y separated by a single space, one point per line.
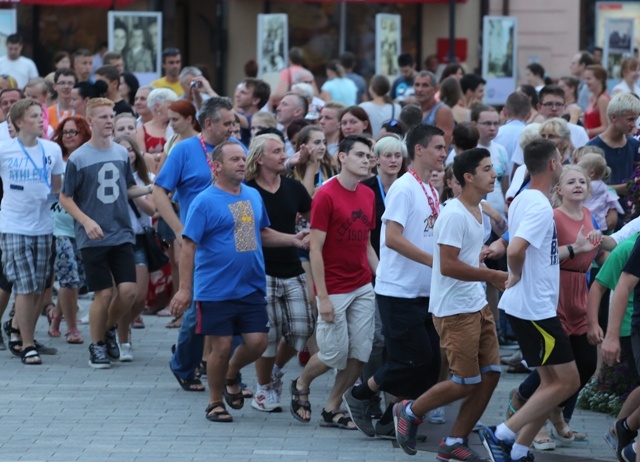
620 160
402 88
457 227
609 275
282 207
229 264
347 217
407 205
97 180
535 296
24 208
633 268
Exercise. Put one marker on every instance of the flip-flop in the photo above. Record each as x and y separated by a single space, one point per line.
510 409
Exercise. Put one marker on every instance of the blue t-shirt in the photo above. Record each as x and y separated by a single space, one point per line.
229 264
620 160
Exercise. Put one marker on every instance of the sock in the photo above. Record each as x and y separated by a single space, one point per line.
407 408
266 386
387 417
518 451
504 433
277 369
362 392
451 440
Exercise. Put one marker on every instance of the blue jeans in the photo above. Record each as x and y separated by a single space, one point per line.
190 346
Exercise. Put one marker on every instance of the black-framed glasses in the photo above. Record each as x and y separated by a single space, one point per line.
550 105
70 132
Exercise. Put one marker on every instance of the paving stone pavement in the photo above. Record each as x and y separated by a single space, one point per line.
66 411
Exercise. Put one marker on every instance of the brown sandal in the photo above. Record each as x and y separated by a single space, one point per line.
297 404
218 416
234 400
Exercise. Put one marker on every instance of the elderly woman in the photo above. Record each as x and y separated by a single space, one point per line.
154 133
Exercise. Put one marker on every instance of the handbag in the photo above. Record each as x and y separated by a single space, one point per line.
153 245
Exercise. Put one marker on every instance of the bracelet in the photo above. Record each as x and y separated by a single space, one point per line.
572 254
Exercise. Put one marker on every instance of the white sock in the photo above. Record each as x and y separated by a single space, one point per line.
276 369
504 433
518 451
266 386
451 440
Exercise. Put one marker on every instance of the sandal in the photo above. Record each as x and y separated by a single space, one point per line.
564 435
46 309
297 404
54 323
337 419
218 416
234 400
15 346
137 323
164 312
73 337
30 357
543 442
175 323
511 410
192 384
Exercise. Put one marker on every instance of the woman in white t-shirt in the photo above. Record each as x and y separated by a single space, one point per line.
380 108
629 73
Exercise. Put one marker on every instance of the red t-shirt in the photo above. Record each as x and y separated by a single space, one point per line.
347 217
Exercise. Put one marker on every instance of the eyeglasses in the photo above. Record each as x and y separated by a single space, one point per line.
550 105
70 132
65 84
489 124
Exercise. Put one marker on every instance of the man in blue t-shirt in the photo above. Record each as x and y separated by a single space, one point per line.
222 270
187 171
402 88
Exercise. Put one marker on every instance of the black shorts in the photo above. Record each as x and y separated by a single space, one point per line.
543 342
105 265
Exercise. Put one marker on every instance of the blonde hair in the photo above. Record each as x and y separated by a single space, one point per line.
256 151
95 103
586 149
597 164
266 118
559 127
556 198
530 133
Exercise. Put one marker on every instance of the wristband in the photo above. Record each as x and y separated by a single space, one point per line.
572 254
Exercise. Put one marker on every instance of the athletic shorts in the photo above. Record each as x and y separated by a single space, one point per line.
290 315
233 317
543 342
470 342
26 261
105 265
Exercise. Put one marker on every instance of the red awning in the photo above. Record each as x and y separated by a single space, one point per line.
378 1
94 3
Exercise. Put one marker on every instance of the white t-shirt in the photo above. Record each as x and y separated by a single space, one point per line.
535 296
406 204
22 69
25 207
457 227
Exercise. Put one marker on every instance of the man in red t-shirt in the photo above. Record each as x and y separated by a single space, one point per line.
342 260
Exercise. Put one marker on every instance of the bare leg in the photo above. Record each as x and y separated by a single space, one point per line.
121 304
264 368
27 312
99 313
217 366
68 307
142 283
344 379
284 354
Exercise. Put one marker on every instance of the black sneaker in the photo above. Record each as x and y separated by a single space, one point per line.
111 340
98 356
625 437
359 411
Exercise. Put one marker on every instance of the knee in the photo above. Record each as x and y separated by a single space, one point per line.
257 343
105 295
221 349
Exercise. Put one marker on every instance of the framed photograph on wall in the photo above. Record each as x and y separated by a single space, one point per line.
618 45
499 55
137 36
388 44
273 43
8 26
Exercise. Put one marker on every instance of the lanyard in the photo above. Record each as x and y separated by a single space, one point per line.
73 112
319 182
382 193
206 154
435 206
41 171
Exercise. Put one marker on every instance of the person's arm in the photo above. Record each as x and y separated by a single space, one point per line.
619 300
395 240
325 307
451 266
623 233
601 104
138 191
182 299
516 253
498 224
163 204
582 245
611 219
146 204
372 258
272 238
56 184
594 331
93 229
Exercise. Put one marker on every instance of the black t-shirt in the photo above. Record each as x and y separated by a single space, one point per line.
633 268
282 207
121 107
375 234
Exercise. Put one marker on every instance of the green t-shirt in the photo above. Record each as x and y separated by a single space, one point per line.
610 273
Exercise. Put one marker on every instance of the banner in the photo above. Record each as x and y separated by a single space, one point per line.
618 44
499 60
388 44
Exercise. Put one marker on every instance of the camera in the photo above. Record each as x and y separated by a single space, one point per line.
195 84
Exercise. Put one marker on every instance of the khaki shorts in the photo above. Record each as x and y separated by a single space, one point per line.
471 344
350 335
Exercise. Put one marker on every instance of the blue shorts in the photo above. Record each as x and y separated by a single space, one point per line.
140 252
233 317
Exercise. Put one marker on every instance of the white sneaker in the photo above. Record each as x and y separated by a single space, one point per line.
266 401
126 353
436 416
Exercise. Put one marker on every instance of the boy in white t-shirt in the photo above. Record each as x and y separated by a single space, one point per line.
530 302
461 314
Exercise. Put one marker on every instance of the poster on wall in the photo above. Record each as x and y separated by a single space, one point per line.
388 44
616 10
137 36
8 26
499 46
273 44
618 44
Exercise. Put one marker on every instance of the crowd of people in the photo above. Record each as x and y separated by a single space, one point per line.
398 232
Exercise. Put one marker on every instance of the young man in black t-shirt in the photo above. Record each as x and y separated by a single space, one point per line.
290 316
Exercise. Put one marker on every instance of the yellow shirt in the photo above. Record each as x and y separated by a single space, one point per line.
162 83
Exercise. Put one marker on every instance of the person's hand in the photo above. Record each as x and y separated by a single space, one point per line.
305 154
484 252
203 86
611 350
583 244
512 280
326 311
93 230
499 279
595 237
302 239
495 250
180 302
595 335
